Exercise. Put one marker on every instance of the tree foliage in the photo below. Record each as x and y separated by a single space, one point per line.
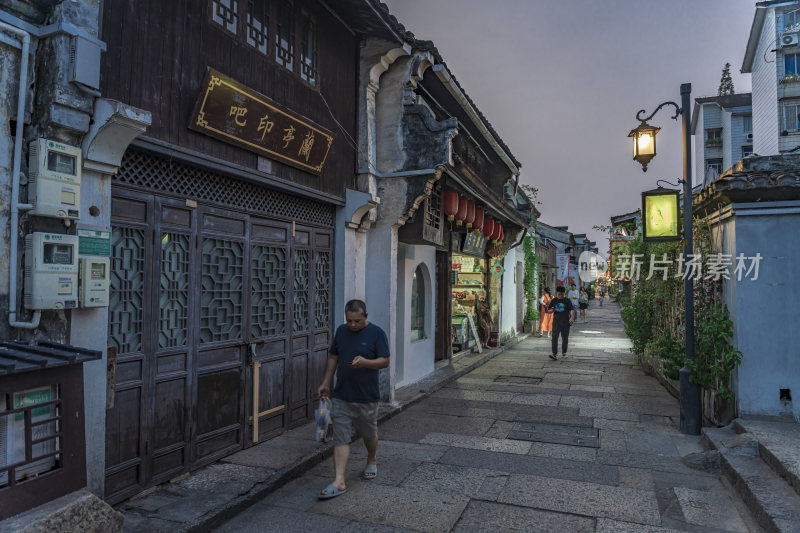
726 83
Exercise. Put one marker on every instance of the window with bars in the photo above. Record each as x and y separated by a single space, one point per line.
791 116
284 34
308 48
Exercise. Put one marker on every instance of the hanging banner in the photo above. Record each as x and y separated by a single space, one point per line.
562 269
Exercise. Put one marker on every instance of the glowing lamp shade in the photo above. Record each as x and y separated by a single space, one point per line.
470 218
450 201
477 224
644 143
462 211
660 219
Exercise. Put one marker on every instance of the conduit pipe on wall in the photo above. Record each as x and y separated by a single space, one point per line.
25 37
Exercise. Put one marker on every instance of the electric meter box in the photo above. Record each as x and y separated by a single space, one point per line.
51 271
54 179
94 281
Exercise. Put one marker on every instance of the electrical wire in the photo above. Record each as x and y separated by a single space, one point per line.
348 139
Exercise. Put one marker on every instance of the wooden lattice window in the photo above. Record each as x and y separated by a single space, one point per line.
432 228
257 26
226 14
308 48
433 211
284 35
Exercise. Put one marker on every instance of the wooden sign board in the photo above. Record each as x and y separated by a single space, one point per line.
231 112
474 244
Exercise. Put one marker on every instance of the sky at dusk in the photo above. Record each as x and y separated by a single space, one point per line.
561 82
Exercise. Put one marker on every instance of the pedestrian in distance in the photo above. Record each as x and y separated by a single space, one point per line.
359 350
583 304
560 308
573 296
545 320
602 294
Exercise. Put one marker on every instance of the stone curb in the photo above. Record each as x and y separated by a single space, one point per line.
772 460
283 476
772 501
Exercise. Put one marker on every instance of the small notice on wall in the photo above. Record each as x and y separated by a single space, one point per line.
94 242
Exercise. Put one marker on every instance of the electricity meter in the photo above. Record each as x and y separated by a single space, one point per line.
51 271
94 280
54 179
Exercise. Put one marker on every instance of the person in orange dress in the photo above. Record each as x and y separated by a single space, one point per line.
545 320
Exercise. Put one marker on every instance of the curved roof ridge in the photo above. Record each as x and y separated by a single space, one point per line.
429 46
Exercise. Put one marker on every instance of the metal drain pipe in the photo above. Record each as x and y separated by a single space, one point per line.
25 38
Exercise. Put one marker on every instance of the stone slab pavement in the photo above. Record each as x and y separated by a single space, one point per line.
448 463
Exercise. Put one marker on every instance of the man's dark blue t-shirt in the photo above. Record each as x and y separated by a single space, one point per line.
358 385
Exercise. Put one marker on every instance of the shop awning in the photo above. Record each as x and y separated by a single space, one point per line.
17 357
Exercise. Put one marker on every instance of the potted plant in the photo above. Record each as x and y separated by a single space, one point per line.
790 85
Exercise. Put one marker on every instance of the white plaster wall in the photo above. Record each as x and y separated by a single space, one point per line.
700 146
768 328
508 293
416 358
727 148
350 265
738 136
89 329
766 127
381 288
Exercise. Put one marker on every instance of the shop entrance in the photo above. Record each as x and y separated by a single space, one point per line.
468 277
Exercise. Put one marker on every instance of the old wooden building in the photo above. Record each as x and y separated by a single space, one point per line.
222 222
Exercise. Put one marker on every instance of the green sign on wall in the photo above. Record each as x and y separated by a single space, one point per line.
94 242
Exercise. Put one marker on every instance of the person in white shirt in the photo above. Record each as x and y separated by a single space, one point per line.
573 296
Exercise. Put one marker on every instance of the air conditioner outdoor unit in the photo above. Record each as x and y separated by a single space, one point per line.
789 39
750 136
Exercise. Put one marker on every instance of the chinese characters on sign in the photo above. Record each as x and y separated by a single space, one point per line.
474 244
562 269
239 115
717 266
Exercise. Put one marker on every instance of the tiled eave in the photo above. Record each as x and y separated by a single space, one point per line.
753 179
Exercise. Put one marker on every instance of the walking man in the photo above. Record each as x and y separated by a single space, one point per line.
358 351
563 317
573 296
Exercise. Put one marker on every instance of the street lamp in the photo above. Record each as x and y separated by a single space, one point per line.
643 151
644 143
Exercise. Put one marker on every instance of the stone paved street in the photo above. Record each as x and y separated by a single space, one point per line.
449 463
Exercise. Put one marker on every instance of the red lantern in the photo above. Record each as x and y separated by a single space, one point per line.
502 234
488 227
450 204
470 218
496 233
462 211
477 224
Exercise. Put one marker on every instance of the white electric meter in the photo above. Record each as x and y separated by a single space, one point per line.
51 271
94 281
54 179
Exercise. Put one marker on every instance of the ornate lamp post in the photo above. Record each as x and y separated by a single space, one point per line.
644 149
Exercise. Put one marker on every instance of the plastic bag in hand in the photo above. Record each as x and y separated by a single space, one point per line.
323 418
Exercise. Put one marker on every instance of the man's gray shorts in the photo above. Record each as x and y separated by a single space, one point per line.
346 417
